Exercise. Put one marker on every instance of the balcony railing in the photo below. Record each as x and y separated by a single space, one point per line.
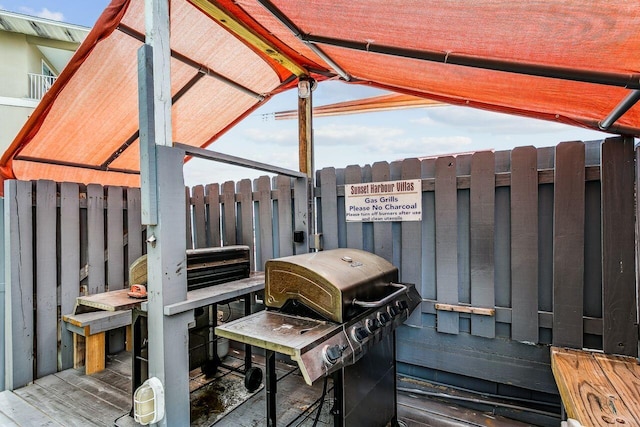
39 84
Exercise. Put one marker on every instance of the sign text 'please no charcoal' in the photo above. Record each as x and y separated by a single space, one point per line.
384 201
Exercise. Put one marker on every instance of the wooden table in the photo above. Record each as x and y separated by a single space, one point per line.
98 313
107 301
598 389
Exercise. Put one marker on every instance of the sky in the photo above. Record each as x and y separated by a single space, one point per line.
340 140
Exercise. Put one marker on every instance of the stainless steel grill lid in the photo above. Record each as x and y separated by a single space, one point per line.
329 282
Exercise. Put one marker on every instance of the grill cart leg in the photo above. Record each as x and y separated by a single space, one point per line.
271 387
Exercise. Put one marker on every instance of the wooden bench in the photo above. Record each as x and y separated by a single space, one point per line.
89 336
598 389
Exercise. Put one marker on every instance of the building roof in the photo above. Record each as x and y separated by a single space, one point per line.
41 27
568 61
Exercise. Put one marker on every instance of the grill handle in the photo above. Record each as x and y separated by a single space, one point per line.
374 304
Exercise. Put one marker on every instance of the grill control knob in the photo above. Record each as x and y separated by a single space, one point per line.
393 311
360 334
384 318
332 353
372 325
402 305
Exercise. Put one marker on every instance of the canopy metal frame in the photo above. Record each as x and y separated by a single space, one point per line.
629 81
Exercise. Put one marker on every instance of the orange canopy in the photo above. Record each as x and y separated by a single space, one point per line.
571 61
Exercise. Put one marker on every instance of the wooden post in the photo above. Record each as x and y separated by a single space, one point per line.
305 158
161 193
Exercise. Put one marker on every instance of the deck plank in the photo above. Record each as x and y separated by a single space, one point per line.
61 409
82 402
21 413
97 388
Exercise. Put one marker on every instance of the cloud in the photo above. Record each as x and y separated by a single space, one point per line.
281 136
429 145
44 13
335 134
487 122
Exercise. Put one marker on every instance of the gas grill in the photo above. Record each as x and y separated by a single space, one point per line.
334 313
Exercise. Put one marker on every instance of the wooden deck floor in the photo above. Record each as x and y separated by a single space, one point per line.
70 398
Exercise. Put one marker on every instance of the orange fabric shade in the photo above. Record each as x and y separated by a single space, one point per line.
366 105
569 61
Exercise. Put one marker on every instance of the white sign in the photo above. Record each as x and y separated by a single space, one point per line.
384 201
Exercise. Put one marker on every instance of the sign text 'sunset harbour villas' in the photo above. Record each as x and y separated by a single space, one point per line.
384 201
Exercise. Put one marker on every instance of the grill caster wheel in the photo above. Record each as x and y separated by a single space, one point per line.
253 379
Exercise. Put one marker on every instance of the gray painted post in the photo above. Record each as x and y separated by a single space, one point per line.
166 246
167 272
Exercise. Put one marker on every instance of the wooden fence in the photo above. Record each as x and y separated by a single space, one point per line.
544 236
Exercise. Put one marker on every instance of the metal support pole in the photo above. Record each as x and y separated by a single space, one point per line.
624 106
338 398
247 347
272 382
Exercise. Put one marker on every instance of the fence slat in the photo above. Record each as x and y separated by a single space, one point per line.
411 234
95 236
301 213
620 333
69 264
19 287
524 245
264 236
382 231
428 167
134 228
282 185
568 245
481 218
228 213
245 217
115 257
46 274
353 175
199 224
212 192
446 242
329 193
189 218
115 238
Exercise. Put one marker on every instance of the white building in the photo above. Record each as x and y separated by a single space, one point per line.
33 52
